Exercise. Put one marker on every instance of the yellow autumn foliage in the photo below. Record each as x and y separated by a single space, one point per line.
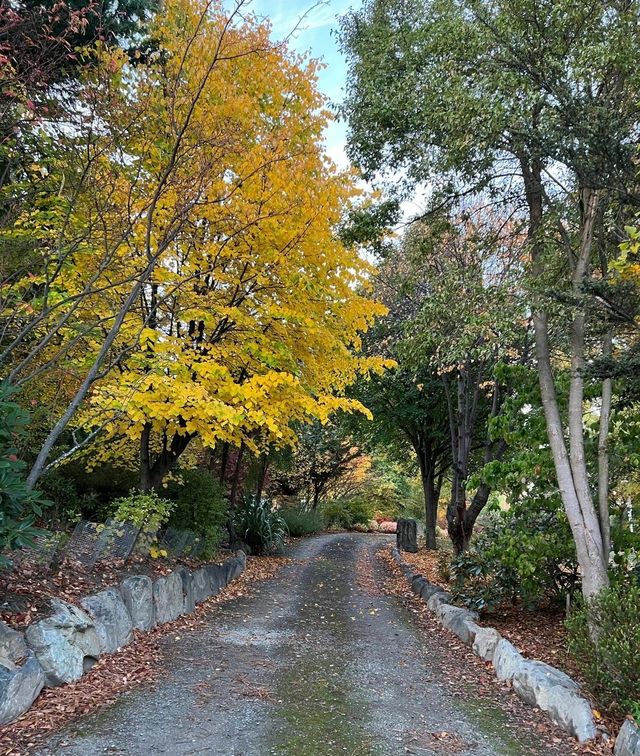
218 197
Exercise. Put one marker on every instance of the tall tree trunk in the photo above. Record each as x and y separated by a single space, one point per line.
145 458
233 497
224 461
152 474
570 465
262 476
88 381
431 496
428 457
235 484
603 452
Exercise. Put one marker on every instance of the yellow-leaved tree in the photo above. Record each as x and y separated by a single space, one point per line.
186 280
249 320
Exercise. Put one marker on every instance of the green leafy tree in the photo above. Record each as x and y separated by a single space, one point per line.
537 105
408 403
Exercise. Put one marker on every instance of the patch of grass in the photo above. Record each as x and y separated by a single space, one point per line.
320 719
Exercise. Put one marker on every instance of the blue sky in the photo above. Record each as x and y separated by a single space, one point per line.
316 35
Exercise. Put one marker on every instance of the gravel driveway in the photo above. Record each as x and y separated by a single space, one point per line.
314 663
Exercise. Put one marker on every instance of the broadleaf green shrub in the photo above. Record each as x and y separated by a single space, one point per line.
524 555
200 506
145 509
301 522
260 526
610 665
345 513
19 507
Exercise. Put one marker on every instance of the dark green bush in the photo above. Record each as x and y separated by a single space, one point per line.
19 507
200 506
63 494
611 665
301 522
524 555
345 513
260 526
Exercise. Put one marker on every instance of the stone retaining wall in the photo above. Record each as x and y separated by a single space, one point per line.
628 740
61 648
536 682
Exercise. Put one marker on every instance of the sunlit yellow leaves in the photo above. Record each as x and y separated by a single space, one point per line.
207 179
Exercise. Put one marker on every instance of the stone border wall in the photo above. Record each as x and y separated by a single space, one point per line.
61 648
537 683
628 740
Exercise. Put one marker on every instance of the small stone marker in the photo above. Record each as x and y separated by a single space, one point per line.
407 536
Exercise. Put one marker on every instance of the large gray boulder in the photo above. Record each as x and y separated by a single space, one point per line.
418 583
19 686
241 557
188 592
459 621
12 644
428 590
507 660
556 693
111 618
571 712
437 600
234 567
218 576
485 642
533 680
66 644
628 740
167 598
201 585
137 594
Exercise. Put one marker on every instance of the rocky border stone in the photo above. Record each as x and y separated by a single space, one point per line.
61 648
628 740
535 682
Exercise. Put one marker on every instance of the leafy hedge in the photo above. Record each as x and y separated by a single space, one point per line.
345 513
301 522
611 664
201 506
524 555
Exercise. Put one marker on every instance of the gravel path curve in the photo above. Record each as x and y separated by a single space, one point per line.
315 663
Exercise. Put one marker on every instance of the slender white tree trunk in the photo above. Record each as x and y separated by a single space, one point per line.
603 451
570 463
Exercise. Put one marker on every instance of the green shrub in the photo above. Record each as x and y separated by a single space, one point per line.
444 556
523 555
145 509
260 526
345 513
610 666
148 511
62 492
301 522
200 505
19 507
